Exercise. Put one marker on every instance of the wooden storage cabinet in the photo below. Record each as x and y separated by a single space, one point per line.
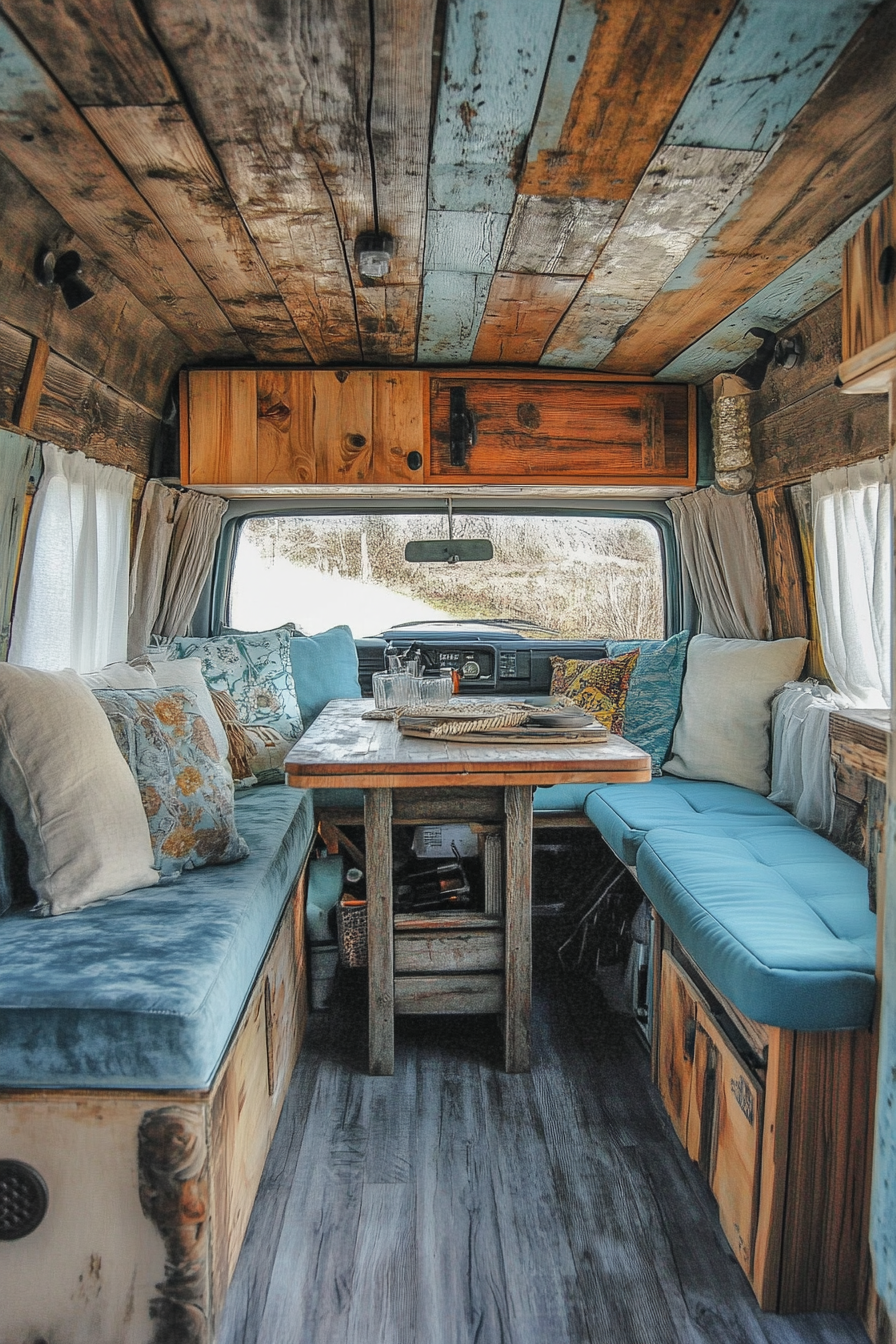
282 427
777 1122
869 281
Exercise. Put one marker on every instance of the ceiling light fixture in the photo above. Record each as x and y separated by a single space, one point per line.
373 254
64 271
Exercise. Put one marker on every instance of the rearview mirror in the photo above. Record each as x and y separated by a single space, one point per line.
448 552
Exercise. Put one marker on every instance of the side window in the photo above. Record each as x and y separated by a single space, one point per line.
580 576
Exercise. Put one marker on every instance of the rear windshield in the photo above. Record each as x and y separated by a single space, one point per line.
578 577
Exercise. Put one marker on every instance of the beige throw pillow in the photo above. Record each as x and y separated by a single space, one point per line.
76 804
726 696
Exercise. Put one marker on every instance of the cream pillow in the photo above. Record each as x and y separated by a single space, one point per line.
76 804
119 677
188 672
726 696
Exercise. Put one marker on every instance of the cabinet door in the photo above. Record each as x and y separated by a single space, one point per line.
678 1029
730 1139
869 281
342 426
285 442
398 415
223 439
549 430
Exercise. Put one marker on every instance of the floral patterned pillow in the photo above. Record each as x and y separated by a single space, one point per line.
252 668
186 788
599 685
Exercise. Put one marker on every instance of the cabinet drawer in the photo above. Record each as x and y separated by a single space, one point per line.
869 281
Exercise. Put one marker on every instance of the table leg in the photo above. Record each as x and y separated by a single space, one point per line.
380 935
518 928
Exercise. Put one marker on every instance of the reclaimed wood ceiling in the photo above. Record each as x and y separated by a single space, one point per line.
624 185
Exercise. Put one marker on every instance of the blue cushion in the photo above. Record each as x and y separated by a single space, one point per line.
349 799
144 990
324 667
654 693
777 919
624 813
562 797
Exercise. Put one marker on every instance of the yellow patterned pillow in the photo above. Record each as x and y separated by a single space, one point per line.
599 685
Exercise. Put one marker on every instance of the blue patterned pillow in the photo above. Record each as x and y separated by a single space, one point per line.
252 668
654 693
186 788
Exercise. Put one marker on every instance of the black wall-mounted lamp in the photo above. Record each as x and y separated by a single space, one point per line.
786 352
64 271
373 254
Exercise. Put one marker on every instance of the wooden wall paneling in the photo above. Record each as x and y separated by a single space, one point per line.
800 496
836 152
677 1022
483 117
399 408
823 1228
784 564
682 192
804 286
43 134
15 351
166 158
79 412
223 420
819 333
285 435
869 304
343 426
32 388
115 338
520 314
766 1273
596 134
822 431
564 430
252 127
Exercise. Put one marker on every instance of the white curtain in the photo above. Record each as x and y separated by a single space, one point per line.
852 531
802 769
72 599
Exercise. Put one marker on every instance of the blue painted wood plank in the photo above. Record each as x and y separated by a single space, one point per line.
495 58
452 309
464 240
768 61
574 32
799 289
599 322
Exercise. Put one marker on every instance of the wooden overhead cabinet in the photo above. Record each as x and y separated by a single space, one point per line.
869 303
279 427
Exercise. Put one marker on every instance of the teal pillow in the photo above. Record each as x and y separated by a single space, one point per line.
185 787
324 667
654 692
254 669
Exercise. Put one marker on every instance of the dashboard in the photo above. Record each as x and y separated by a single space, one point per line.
490 659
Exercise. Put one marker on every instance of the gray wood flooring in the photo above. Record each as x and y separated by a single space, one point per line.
456 1204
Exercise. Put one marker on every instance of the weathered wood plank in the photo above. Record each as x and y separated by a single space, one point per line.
169 163
15 351
462 952
452 308
521 313
681 194
766 64
805 285
380 960
787 600
801 502
417 995
42 133
274 136
557 235
32 387
98 50
836 152
819 333
387 321
518 929
596 138
464 240
120 342
821 431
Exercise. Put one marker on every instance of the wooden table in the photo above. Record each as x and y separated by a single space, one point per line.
415 780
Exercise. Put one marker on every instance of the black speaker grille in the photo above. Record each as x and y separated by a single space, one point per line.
23 1200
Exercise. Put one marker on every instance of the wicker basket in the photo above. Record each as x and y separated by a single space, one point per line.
351 934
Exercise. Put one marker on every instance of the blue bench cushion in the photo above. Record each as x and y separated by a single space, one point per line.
624 813
144 990
557 798
777 920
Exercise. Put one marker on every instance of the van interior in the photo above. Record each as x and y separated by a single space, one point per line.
447 859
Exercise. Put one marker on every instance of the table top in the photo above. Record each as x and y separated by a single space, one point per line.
343 750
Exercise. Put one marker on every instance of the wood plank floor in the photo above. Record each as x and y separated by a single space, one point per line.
456 1204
